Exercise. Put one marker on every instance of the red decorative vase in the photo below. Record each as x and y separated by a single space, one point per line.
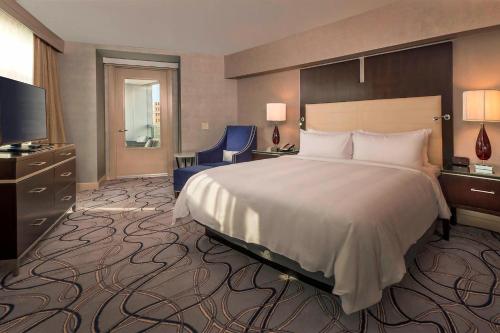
276 135
483 146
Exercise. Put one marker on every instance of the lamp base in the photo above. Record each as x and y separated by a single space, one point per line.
276 135
483 146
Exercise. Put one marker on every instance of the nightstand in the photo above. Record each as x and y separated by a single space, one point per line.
263 154
464 188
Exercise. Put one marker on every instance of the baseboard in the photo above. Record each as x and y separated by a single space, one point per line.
89 186
475 219
148 175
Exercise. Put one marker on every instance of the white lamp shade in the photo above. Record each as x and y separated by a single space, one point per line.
276 111
481 105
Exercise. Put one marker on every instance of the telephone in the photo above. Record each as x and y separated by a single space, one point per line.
287 148
460 163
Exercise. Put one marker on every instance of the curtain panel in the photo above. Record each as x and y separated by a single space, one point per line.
46 75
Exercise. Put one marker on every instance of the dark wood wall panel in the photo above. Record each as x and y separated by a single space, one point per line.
424 71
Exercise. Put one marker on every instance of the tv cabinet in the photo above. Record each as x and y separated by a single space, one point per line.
36 190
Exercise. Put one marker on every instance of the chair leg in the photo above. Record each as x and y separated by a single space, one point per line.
446 229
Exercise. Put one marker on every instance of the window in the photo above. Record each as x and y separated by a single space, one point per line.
16 57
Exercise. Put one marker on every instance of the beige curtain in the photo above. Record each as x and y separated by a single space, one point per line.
46 76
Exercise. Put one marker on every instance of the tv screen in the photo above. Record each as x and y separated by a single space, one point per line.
22 112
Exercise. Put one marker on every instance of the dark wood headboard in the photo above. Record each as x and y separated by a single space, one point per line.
418 72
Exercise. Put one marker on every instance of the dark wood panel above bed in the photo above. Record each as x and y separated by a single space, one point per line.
424 71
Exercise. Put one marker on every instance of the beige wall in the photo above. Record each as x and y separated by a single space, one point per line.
77 74
255 92
205 96
410 21
476 65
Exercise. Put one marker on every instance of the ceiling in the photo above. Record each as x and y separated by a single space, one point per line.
190 26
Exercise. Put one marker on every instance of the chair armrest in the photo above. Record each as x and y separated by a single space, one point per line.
245 154
211 155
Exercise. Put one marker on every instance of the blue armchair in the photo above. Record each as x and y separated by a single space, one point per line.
242 139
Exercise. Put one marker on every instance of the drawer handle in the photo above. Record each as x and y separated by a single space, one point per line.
66 154
482 191
38 190
66 174
67 198
38 163
39 222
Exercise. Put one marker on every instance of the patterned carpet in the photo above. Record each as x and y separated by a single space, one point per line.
117 264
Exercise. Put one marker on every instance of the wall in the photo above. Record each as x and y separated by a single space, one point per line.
255 92
77 74
101 119
412 22
205 96
476 66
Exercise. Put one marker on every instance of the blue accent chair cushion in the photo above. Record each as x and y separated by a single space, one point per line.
242 139
181 175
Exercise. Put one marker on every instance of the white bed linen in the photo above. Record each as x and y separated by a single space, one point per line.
349 219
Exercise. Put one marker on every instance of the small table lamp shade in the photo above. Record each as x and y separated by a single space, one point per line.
276 112
482 106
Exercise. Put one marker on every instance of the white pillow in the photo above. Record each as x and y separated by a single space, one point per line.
400 149
227 155
326 145
427 132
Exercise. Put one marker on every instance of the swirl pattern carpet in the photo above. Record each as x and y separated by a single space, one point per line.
118 264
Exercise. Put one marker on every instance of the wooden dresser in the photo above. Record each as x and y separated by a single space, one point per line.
36 190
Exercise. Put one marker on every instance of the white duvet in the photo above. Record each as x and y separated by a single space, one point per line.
349 219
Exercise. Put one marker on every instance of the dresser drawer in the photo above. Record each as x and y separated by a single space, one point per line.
471 192
65 198
35 197
37 163
64 154
64 174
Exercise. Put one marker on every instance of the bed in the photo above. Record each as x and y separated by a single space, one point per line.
345 223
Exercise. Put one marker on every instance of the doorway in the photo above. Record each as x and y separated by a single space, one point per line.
139 123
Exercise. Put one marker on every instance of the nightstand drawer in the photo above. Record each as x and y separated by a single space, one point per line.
471 192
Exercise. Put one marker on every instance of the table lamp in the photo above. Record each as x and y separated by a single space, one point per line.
482 106
276 112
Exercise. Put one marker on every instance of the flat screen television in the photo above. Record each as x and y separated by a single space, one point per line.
22 112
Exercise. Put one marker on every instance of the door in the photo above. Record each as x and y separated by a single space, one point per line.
140 121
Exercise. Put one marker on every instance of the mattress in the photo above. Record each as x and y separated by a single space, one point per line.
350 220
